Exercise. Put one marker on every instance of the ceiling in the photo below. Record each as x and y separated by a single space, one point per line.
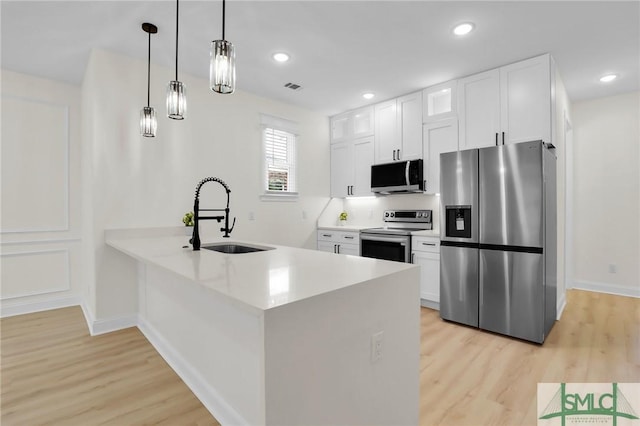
339 49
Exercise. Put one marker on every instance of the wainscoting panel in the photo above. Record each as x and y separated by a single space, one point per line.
31 273
35 165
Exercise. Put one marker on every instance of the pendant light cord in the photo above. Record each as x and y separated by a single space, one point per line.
223 4
149 71
177 10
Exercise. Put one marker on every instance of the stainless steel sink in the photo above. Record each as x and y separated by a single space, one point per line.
233 248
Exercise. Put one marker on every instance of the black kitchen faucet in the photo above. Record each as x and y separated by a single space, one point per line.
195 239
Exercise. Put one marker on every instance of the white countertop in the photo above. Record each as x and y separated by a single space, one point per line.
355 228
352 228
262 280
430 233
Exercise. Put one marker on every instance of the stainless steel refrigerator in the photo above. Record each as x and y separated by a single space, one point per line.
498 239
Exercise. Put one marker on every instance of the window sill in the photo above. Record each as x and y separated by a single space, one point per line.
279 196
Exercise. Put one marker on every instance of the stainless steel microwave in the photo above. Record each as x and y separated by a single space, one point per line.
400 176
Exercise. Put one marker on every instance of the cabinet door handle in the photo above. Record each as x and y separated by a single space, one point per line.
326 235
338 248
348 237
502 138
429 244
351 190
413 256
496 139
398 154
394 155
335 248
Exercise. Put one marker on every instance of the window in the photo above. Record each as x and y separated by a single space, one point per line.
279 141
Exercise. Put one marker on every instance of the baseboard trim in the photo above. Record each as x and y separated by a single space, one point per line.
430 304
33 307
209 397
618 290
560 308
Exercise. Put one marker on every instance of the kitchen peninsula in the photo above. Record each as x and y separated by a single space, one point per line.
282 336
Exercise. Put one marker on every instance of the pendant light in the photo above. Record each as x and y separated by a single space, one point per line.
148 121
222 73
176 91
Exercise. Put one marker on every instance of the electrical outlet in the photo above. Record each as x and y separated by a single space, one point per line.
376 346
613 268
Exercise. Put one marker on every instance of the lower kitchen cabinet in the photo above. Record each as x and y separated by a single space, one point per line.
340 242
425 252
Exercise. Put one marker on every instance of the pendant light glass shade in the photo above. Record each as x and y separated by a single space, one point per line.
176 92
223 67
148 122
176 100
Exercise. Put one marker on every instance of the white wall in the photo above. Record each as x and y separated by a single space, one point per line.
607 194
148 182
41 220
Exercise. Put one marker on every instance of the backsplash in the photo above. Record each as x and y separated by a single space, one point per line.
368 211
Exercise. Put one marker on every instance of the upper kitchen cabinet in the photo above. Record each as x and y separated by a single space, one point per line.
479 109
439 102
398 129
525 100
510 104
438 137
353 124
351 167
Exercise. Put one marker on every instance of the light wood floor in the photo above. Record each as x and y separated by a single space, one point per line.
53 372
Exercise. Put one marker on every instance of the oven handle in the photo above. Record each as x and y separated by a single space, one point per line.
401 240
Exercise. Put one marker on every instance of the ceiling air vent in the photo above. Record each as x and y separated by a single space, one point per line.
293 86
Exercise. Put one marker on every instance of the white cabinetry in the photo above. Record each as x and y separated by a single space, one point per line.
439 102
398 129
352 124
438 137
525 100
479 109
425 252
506 105
339 242
351 167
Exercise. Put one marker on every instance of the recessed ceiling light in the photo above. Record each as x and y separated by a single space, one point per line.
463 29
607 78
280 57
368 95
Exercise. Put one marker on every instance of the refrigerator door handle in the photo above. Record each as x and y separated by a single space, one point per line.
502 138
496 138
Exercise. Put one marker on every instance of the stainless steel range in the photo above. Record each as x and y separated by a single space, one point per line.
393 241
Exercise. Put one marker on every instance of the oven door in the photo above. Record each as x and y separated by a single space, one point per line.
387 247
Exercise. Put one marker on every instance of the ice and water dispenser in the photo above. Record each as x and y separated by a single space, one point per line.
458 221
